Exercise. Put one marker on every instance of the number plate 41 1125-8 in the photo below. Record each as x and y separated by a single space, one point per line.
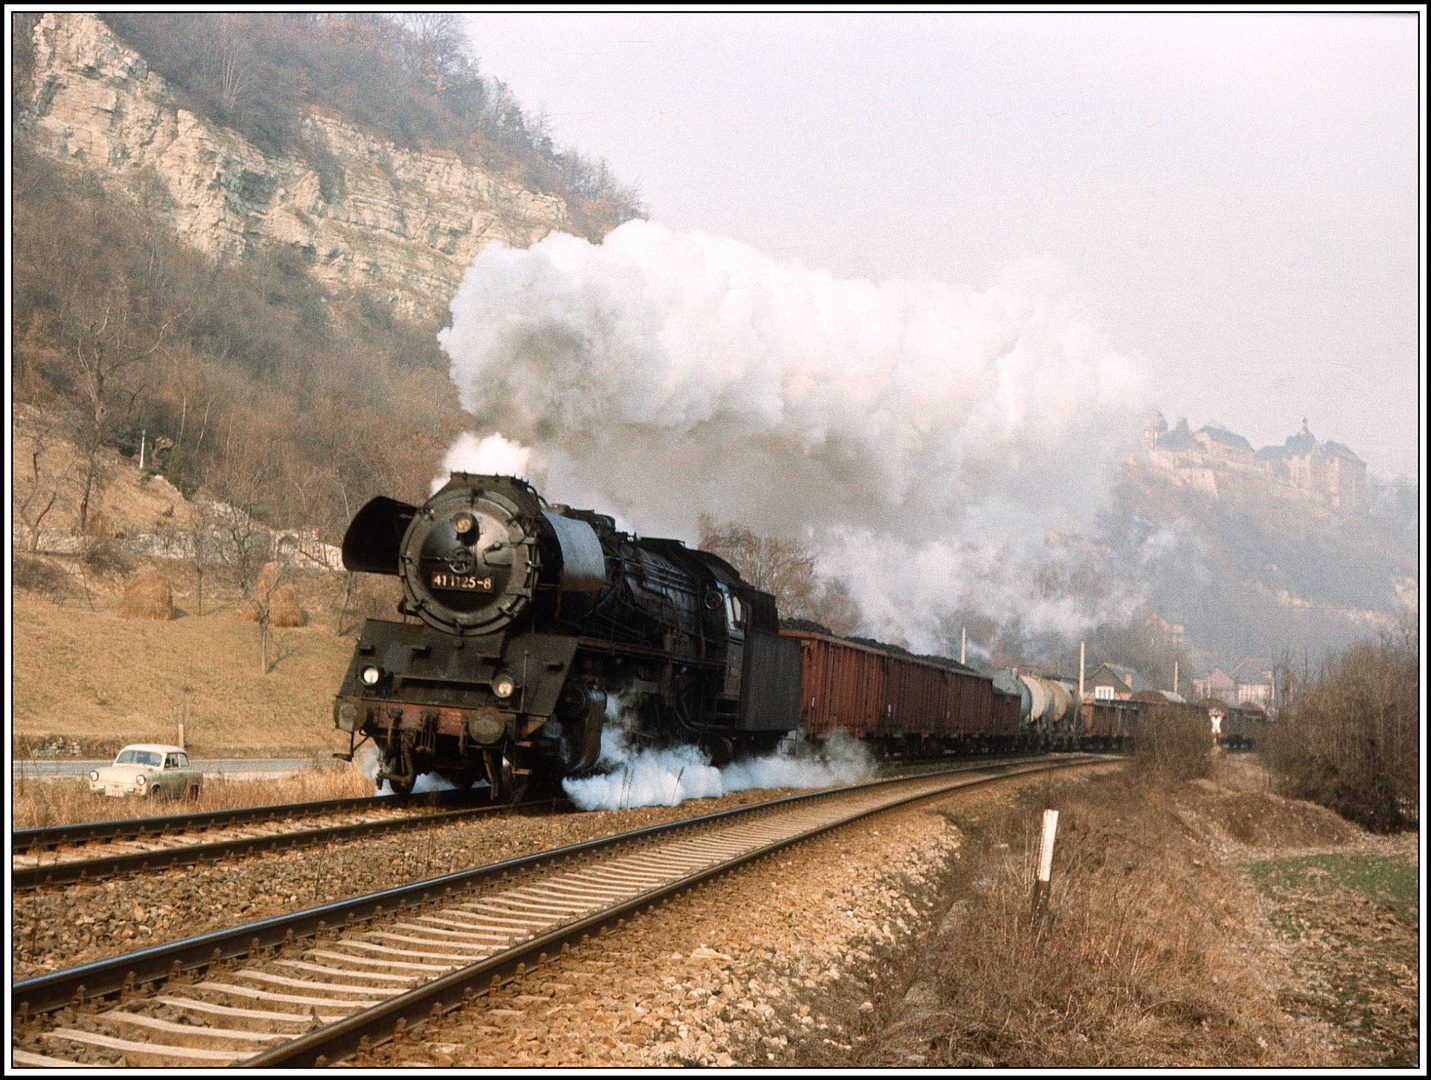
466 582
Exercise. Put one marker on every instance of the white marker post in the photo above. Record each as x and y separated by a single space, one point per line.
1045 862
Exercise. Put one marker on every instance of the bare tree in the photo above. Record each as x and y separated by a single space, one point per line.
245 546
784 568
227 62
38 491
199 547
107 349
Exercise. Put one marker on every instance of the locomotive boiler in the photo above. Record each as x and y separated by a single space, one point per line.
526 626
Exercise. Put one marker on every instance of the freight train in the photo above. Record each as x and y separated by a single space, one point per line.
527 627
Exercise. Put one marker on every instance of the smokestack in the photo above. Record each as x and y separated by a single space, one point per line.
1081 645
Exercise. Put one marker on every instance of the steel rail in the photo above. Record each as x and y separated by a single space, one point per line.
52 836
101 978
72 871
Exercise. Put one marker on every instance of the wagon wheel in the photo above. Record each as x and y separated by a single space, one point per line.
397 770
508 784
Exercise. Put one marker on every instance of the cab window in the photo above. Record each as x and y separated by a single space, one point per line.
172 761
735 609
183 760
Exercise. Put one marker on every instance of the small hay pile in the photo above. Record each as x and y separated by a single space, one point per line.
147 596
278 593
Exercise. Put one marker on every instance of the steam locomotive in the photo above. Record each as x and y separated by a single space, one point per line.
526 624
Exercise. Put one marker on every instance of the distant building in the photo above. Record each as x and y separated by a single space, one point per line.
1223 465
1215 684
1219 442
1327 469
1113 682
1254 683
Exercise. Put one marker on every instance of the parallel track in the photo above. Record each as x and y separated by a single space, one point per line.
309 988
95 850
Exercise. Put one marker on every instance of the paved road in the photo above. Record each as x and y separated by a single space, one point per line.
212 767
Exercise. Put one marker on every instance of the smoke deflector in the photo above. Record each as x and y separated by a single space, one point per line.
582 561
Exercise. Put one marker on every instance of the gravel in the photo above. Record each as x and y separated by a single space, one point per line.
59 927
744 973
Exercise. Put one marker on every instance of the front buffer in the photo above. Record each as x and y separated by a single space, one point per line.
435 703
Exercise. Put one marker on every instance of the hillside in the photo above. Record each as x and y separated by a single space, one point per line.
265 295
85 673
1263 576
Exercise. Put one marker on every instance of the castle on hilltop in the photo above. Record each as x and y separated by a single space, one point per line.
1223 463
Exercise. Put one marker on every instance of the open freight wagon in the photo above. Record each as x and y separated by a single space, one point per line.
904 702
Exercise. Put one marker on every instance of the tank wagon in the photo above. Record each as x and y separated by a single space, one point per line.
1049 708
526 627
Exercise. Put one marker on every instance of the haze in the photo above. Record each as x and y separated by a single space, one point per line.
1235 196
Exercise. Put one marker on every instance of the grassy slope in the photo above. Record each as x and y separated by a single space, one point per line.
103 679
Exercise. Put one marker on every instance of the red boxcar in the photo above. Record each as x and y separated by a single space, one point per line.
871 693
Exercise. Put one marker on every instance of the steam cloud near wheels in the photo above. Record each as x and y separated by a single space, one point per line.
919 437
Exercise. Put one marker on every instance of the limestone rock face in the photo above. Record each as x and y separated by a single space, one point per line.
402 224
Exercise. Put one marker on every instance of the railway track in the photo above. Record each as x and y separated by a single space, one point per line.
310 988
66 854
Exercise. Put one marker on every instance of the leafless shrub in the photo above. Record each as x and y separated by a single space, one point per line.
37 574
99 548
1173 742
1347 734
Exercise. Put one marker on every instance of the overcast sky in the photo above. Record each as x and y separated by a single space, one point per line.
1236 195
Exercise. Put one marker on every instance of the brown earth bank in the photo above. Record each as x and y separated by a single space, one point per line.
907 942
84 673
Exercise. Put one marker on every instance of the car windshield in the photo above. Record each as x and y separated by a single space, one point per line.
138 757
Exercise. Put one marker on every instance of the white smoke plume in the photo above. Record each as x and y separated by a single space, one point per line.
921 438
669 777
493 455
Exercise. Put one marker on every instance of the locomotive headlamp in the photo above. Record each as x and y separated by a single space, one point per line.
462 523
371 675
504 686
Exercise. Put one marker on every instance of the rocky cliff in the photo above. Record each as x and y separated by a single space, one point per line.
362 212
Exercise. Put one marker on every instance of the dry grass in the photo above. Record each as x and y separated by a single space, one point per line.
1147 956
147 596
68 801
102 680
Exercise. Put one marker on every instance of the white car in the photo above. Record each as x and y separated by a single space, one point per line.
146 770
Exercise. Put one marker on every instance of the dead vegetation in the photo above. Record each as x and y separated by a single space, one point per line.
40 803
1141 961
147 596
1173 743
1156 949
1348 731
